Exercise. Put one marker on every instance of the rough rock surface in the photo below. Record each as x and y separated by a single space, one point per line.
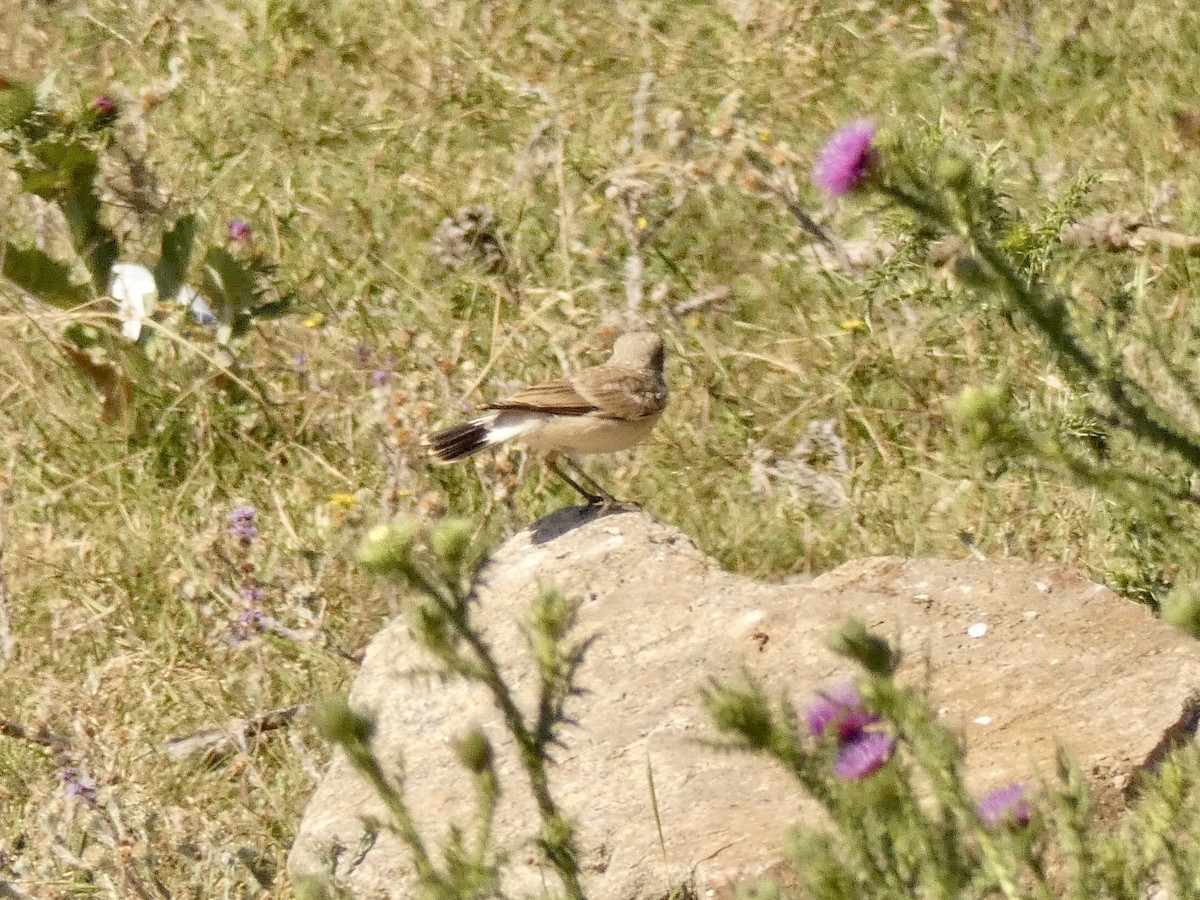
1061 658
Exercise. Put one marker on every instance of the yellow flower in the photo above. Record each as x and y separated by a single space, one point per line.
316 320
341 499
642 224
764 134
852 325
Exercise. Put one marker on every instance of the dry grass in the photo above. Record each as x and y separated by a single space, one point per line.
344 136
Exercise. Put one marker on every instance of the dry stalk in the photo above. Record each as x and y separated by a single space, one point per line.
7 645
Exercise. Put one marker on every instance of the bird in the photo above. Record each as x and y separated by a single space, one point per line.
601 409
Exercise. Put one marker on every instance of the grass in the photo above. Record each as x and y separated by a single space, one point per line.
344 137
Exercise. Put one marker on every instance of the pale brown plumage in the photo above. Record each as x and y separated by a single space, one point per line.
599 410
629 386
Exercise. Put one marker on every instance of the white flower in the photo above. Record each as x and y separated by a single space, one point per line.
132 286
188 296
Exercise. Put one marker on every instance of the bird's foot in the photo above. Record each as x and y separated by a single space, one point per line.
612 504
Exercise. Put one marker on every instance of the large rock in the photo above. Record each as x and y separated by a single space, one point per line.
1061 658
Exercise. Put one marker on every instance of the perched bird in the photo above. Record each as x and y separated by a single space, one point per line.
603 409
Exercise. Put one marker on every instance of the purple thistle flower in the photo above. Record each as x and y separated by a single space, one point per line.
363 354
863 755
846 159
841 707
252 593
300 361
241 525
77 785
248 623
103 105
1006 804
239 230
379 376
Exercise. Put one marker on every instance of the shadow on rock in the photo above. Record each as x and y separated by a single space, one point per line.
567 519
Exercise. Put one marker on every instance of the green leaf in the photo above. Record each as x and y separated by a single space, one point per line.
228 286
17 103
69 179
101 254
274 309
80 205
42 183
175 257
84 336
69 158
44 277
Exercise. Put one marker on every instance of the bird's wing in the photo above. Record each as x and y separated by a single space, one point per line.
558 397
621 393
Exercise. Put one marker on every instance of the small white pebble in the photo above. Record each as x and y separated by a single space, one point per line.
1030 615
978 630
965 588
920 596
1043 587
984 720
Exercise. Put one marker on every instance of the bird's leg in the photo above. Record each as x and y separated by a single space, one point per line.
607 498
593 499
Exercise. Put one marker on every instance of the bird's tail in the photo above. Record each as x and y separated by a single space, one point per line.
459 441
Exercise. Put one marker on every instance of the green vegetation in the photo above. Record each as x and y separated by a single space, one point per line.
593 161
900 821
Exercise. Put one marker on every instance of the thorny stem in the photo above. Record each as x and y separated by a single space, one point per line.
369 765
532 750
487 793
1142 416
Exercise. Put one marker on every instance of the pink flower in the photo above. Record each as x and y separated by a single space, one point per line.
864 754
839 706
846 159
1006 804
104 105
239 230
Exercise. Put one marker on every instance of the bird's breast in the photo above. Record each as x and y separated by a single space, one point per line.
587 434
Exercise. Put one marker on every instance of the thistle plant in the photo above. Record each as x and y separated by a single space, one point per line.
436 566
996 256
904 824
891 779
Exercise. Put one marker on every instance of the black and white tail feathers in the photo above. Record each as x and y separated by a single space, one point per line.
460 441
